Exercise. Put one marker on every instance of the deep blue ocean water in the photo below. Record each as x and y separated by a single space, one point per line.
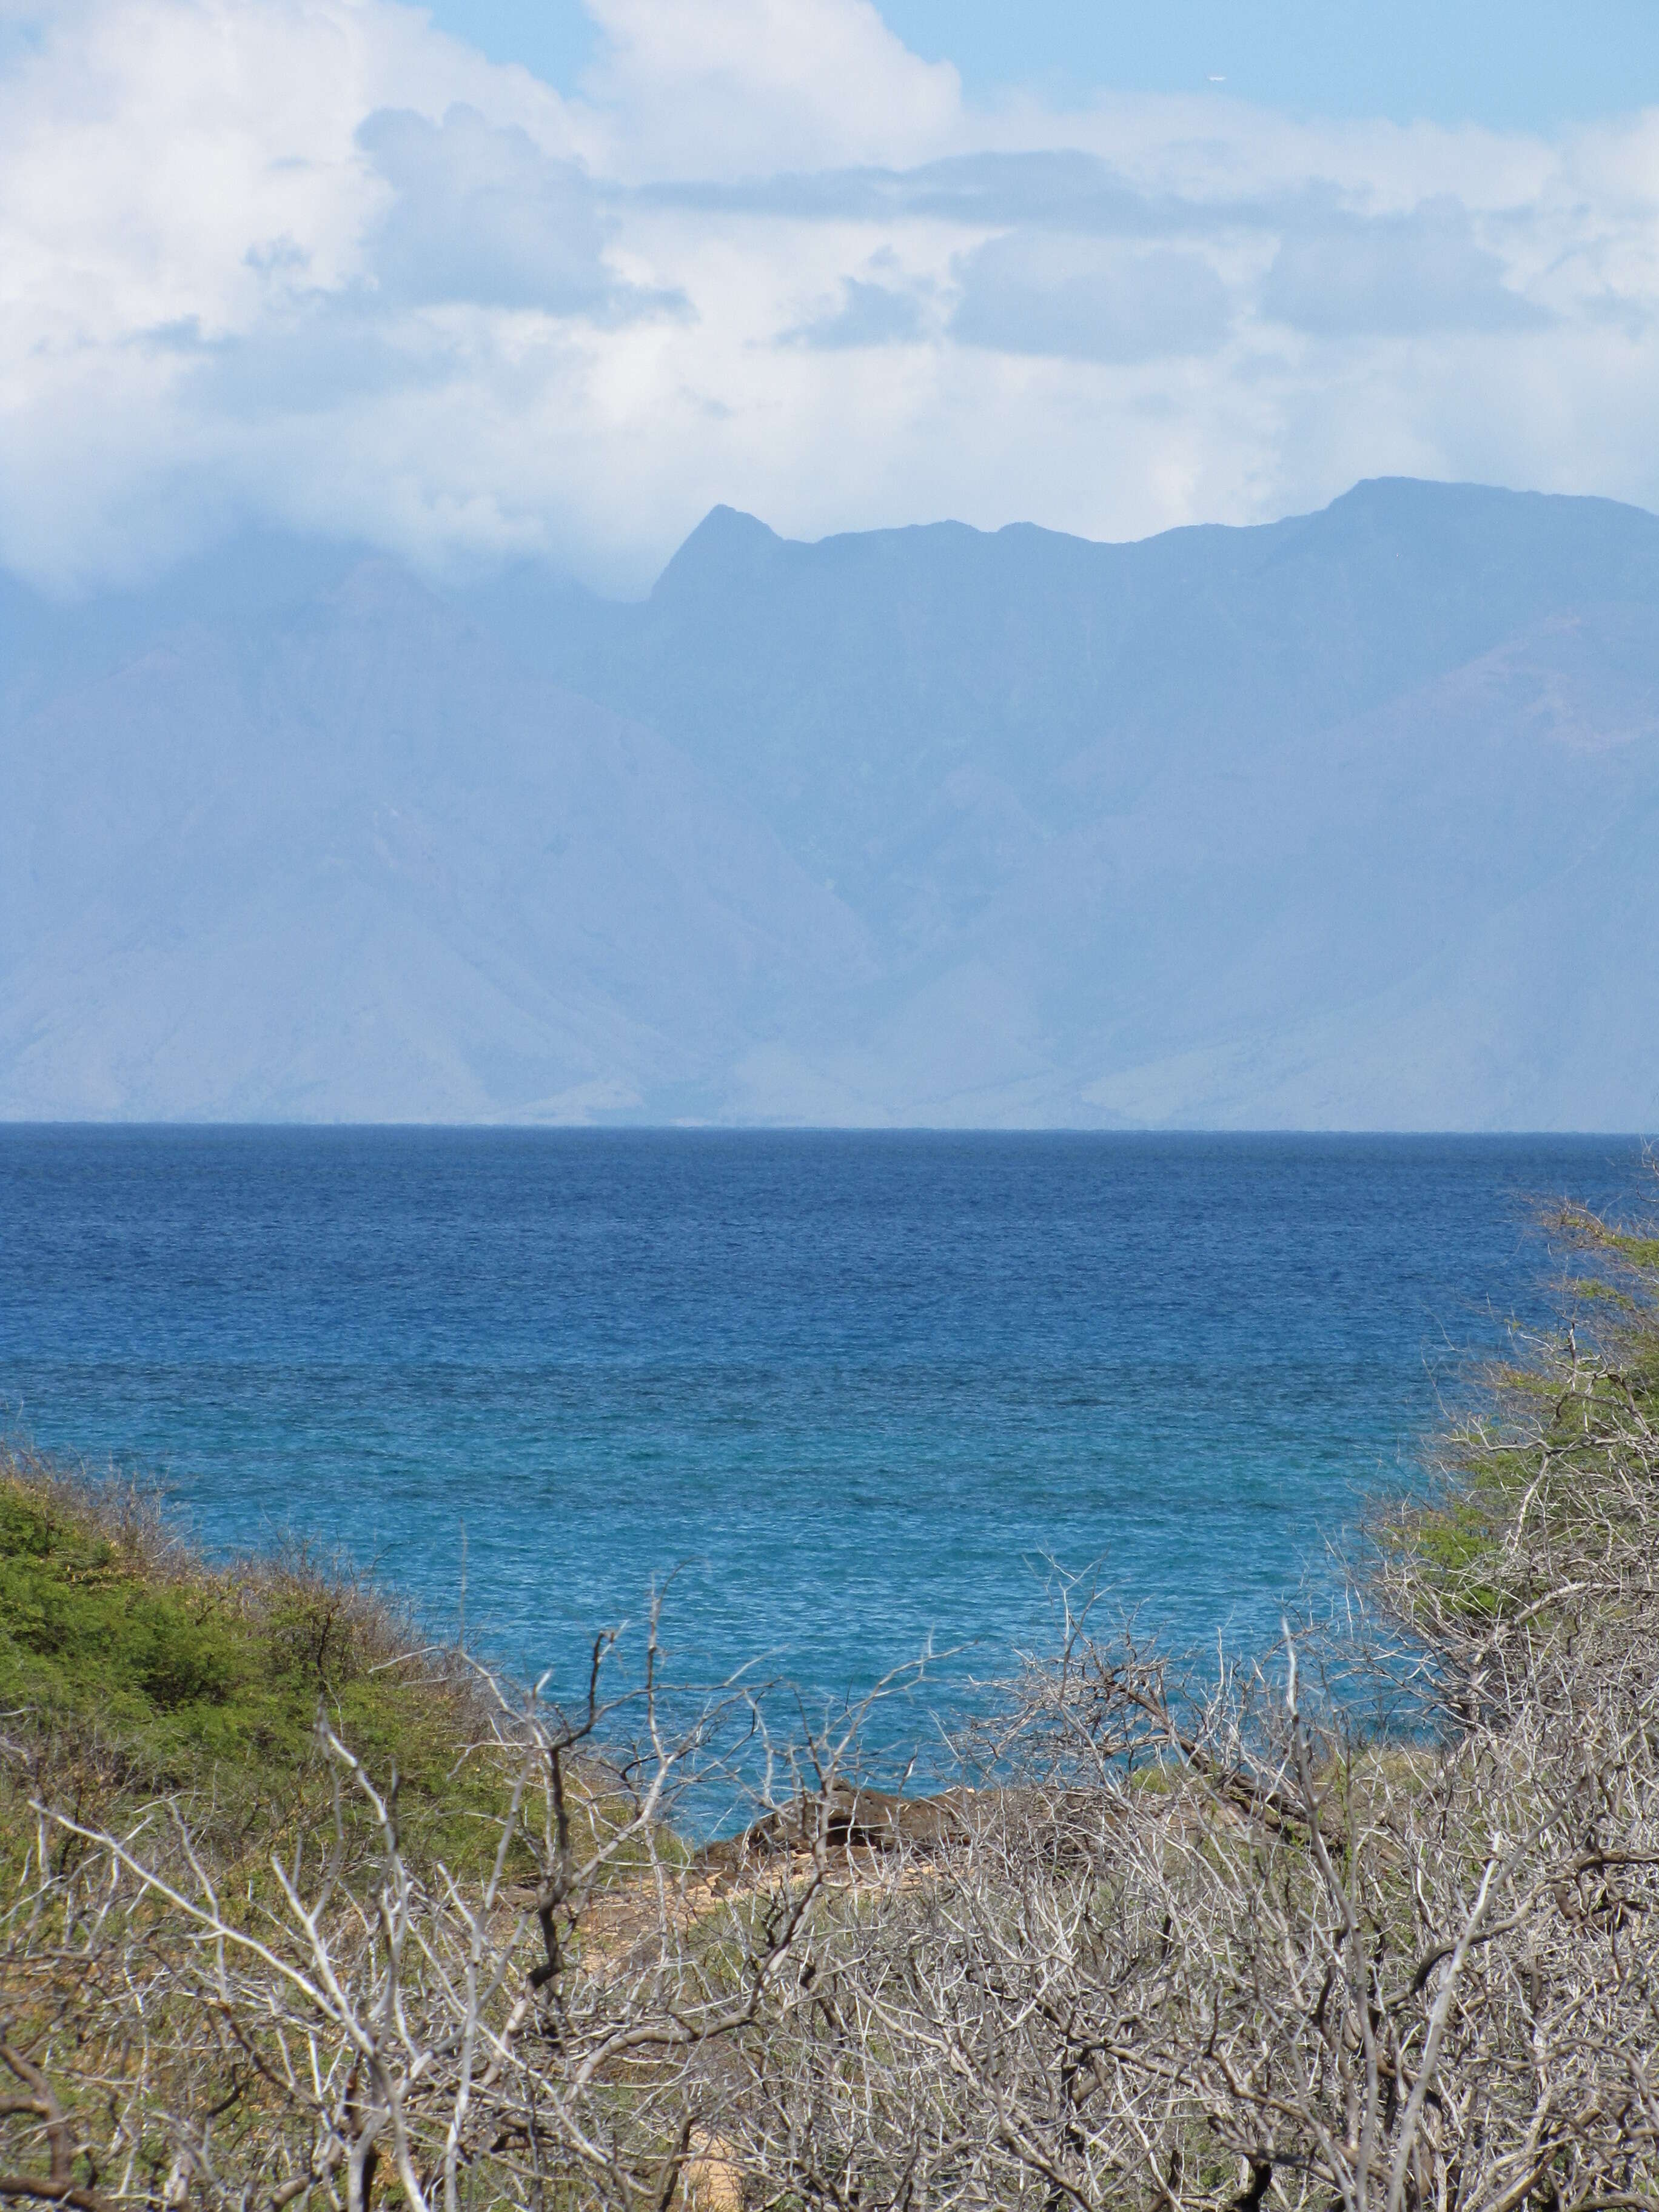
864 1390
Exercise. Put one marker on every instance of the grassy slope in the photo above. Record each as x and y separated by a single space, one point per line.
128 1667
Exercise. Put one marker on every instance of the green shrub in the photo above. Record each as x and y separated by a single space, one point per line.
132 1667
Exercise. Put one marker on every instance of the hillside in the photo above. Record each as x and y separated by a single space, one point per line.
348 863
1341 821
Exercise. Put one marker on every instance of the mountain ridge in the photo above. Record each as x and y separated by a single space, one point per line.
1228 827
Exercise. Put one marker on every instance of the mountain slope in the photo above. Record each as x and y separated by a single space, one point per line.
357 865
1198 806
1343 821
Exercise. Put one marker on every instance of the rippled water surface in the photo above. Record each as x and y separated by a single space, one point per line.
863 1389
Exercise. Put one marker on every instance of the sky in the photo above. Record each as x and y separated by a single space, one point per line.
524 278
1527 65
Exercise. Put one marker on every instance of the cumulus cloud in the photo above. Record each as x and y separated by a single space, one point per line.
1028 293
313 262
729 87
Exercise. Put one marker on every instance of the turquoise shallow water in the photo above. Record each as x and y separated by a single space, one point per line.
864 1390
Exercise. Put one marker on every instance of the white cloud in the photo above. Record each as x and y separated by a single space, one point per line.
725 88
310 261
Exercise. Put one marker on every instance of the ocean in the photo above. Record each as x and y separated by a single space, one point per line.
860 1396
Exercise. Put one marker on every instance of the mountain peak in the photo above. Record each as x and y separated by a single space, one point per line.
727 547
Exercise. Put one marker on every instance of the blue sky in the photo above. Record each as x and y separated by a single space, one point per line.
1532 64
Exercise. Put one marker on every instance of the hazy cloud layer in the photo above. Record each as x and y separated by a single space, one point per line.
1402 274
869 314
482 215
1034 293
1064 190
310 261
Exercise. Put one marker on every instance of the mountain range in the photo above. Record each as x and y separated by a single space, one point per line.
1345 821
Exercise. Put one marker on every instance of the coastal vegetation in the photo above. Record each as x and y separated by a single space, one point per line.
299 1910
133 1672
